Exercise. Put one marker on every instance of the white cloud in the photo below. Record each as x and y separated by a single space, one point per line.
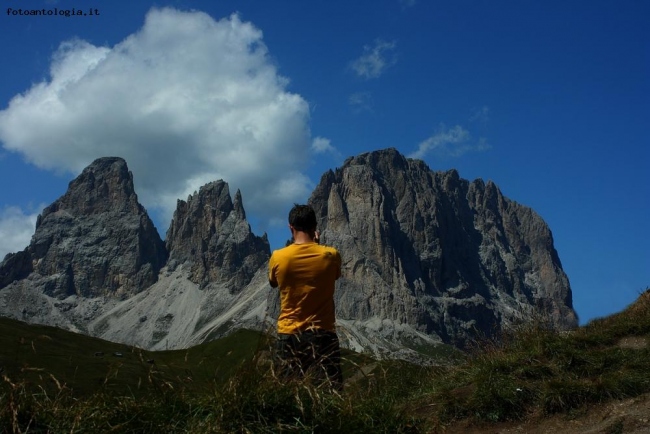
185 100
16 229
375 59
321 145
449 142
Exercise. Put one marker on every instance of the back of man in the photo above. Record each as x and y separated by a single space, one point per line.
305 273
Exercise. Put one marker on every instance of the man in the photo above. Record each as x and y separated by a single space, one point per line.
306 272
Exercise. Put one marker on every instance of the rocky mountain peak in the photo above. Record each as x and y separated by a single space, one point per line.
105 185
444 255
238 206
94 240
428 257
210 235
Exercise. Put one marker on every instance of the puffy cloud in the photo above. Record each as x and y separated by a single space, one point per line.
450 142
375 59
185 100
16 229
321 145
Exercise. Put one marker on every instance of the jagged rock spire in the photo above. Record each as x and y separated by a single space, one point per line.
209 234
94 240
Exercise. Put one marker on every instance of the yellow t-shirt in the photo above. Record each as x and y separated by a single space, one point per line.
305 274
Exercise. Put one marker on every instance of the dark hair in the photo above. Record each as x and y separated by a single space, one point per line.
303 218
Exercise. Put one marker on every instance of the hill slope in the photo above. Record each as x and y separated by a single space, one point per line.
532 379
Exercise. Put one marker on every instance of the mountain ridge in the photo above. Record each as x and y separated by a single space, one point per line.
428 258
456 254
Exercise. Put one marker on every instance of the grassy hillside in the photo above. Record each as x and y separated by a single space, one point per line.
54 382
42 356
534 370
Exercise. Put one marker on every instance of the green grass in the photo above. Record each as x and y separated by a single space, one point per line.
35 354
533 369
438 352
53 382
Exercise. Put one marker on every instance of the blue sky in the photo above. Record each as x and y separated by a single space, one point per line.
550 100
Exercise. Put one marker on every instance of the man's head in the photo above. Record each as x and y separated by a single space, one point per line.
302 218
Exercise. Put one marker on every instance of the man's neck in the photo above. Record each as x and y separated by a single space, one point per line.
302 238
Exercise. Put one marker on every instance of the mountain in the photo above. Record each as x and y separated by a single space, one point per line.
96 265
428 258
428 255
95 243
215 281
209 232
94 240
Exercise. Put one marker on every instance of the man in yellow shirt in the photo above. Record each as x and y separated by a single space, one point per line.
306 272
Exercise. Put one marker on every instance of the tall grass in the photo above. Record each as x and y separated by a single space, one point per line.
254 400
529 370
534 369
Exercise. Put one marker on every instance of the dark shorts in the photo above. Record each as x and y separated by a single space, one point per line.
313 353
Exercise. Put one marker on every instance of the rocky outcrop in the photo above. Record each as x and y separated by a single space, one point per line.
96 265
447 257
428 258
215 280
95 240
209 235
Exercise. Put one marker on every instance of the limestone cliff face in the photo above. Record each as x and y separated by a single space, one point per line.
96 265
95 240
214 283
427 258
210 235
430 250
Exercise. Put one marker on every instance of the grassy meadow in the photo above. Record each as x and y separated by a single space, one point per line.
57 381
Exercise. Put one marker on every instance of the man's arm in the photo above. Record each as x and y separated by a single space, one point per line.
272 279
